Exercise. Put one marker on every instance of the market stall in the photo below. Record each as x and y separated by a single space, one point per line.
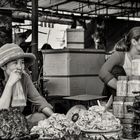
72 74
78 124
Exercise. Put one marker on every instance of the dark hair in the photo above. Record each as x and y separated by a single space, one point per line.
121 46
134 33
46 46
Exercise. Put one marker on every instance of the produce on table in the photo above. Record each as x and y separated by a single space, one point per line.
92 120
13 124
56 126
74 112
96 119
99 125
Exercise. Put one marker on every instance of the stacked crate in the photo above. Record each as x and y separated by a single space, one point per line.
126 104
73 71
75 38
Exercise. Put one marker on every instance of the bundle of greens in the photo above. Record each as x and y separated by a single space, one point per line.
13 124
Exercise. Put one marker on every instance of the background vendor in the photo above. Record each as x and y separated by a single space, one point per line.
120 62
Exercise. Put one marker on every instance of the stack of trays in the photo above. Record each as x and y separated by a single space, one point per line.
136 110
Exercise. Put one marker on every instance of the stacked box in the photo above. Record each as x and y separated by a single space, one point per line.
73 71
75 38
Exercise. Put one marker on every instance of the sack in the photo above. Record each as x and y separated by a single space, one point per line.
18 95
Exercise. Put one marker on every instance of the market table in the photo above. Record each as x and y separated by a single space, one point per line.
86 99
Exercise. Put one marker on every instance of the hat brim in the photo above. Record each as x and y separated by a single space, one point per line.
29 59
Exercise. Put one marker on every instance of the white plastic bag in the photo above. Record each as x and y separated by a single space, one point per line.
18 95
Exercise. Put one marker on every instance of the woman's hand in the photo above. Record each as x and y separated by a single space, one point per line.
109 103
47 111
15 75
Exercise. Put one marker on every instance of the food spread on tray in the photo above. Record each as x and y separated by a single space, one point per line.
13 124
56 126
92 120
96 119
100 125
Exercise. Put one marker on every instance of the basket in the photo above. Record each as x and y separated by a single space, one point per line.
73 137
103 134
48 138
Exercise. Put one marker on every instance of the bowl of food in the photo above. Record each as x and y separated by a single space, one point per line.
97 124
103 134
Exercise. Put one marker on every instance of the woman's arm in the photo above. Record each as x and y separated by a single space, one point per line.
105 75
113 83
34 96
47 111
6 97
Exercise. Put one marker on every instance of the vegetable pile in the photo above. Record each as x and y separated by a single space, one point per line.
13 124
56 126
96 119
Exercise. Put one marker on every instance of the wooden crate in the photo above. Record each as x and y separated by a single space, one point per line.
73 71
68 86
75 45
75 38
69 62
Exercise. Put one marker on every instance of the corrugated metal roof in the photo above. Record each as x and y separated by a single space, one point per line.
93 7
64 11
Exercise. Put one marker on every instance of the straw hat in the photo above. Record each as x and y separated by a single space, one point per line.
11 51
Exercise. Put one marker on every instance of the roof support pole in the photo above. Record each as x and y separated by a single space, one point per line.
35 38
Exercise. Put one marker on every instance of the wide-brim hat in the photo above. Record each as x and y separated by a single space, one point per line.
11 51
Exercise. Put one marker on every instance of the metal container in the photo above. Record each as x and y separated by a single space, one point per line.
128 107
118 109
136 65
128 131
122 86
134 86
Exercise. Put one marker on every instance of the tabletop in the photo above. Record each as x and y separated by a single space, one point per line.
85 97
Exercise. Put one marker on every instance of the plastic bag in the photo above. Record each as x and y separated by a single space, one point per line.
18 95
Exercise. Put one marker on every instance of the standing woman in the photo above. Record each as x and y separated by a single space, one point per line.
120 62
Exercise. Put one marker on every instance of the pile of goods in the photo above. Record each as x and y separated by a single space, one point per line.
99 124
56 126
96 119
136 119
94 123
13 124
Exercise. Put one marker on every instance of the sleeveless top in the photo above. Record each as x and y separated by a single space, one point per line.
127 64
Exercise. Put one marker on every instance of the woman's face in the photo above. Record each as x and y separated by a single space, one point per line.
138 45
15 65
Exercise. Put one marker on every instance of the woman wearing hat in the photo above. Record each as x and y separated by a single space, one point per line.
120 61
12 62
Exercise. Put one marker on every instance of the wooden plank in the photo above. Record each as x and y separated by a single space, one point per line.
68 86
78 62
85 97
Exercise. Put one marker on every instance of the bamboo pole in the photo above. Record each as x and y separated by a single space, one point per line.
35 38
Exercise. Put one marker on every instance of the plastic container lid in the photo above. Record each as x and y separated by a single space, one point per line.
123 78
119 98
129 99
134 77
136 57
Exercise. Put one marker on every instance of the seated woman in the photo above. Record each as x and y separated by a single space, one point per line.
13 62
120 60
